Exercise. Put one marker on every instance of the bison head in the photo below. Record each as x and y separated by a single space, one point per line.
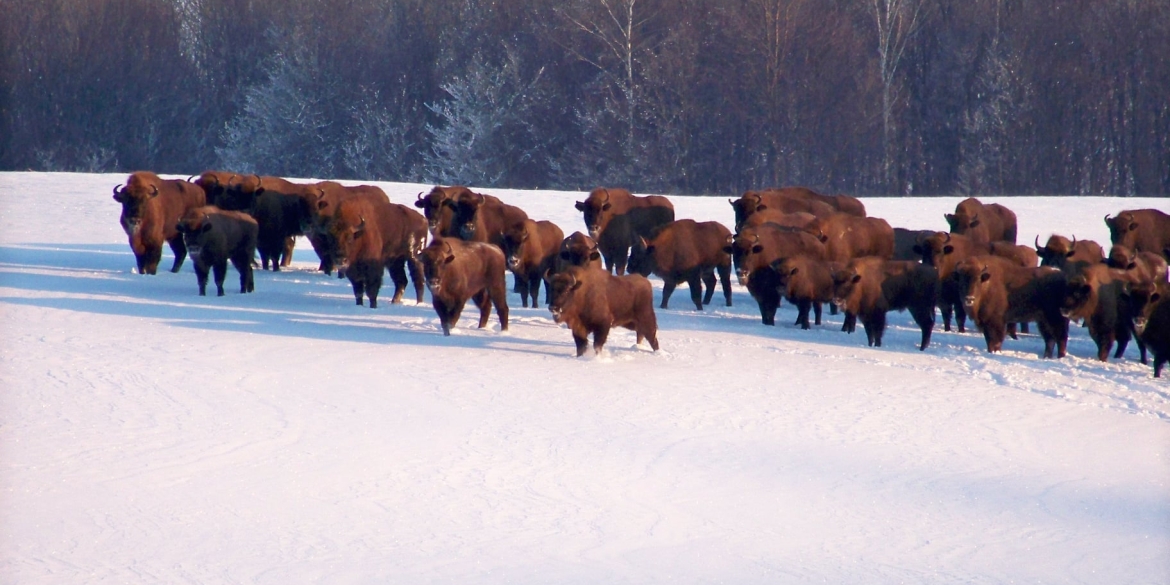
846 288
598 211
1122 229
745 206
466 217
436 259
135 198
564 287
1057 251
579 250
743 247
435 205
974 282
515 240
195 227
1121 258
348 238
1142 297
642 257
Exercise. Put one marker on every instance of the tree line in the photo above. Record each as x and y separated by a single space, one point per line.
867 97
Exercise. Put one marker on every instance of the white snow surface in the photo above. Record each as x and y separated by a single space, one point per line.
149 435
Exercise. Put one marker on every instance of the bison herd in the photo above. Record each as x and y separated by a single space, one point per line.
792 244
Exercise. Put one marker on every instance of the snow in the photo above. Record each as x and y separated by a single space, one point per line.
149 435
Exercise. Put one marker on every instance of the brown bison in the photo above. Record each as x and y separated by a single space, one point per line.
456 271
151 208
439 213
1145 266
321 200
1059 251
615 218
1144 230
806 283
787 201
1153 328
871 287
983 223
1099 295
593 301
996 292
483 218
578 250
847 236
753 251
374 236
531 248
213 238
945 250
686 251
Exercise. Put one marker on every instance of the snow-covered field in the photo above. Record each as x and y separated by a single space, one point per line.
149 435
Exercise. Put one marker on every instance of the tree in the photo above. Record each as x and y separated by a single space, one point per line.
896 21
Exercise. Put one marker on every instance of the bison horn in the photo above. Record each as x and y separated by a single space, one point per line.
419 198
1038 242
759 199
1074 242
191 177
450 250
948 234
606 195
1107 218
154 190
118 188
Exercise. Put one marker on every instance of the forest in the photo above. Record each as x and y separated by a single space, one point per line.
712 97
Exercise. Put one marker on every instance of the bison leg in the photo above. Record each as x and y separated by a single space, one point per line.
769 301
499 298
600 335
947 311
153 256
416 277
373 285
244 267
397 270
725 281
1159 361
668 289
709 281
581 341
1011 331
1104 344
534 281
359 288
179 247
961 317
201 278
817 313
483 303
993 334
802 309
1024 327
287 253
924 317
220 271
521 287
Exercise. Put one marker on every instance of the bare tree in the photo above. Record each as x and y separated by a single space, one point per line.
897 21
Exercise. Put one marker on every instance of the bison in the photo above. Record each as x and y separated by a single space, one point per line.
871 287
213 237
374 236
753 251
456 270
593 301
806 283
1099 295
847 236
1145 266
786 201
1153 328
983 223
322 200
531 248
483 218
997 291
151 208
686 251
1059 251
1144 230
615 218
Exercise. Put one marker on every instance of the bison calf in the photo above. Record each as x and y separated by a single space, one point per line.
456 271
213 237
593 301
806 283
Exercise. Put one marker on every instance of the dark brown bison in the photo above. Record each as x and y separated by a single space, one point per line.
321 199
1144 230
1060 251
1153 327
686 251
151 208
753 251
787 201
456 271
531 249
592 301
907 243
847 236
374 236
996 292
1099 295
439 213
483 218
213 238
1145 266
806 283
578 250
983 223
615 218
871 287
